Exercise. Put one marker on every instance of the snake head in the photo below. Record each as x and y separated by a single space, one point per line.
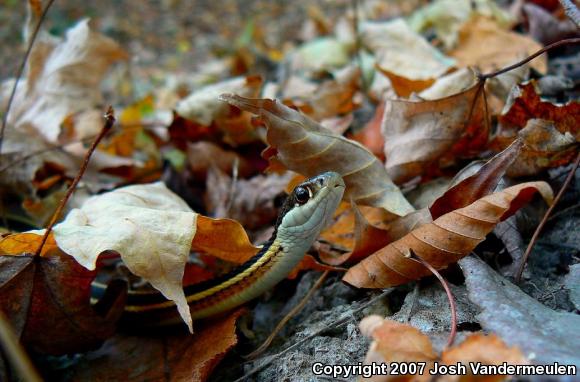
310 206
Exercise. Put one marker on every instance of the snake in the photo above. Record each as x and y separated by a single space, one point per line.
307 210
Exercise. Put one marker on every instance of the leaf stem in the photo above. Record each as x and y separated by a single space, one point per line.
109 121
452 305
520 271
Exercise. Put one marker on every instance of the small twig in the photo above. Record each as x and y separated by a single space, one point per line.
287 317
15 353
109 121
483 77
21 70
336 324
518 275
571 11
453 331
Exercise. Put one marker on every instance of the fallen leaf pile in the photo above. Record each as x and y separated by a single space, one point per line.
448 166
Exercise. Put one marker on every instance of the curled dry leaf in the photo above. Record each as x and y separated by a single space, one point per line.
422 136
484 44
57 84
444 241
300 144
407 58
478 185
50 298
169 358
484 349
148 225
397 342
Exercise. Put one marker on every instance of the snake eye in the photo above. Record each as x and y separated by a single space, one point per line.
302 194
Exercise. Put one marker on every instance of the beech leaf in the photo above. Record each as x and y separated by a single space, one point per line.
302 145
443 241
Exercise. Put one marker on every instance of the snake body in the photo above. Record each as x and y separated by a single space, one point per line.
306 211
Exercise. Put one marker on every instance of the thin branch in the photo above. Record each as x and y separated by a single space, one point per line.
109 121
21 70
518 275
343 320
569 41
452 306
571 11
287 317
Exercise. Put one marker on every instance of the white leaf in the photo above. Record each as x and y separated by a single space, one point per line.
151 228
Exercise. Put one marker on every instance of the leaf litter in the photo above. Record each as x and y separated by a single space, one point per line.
389 95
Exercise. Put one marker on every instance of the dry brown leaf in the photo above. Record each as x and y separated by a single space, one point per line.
423 136
550 131
480 184
251 202
444 241
202 155
170 358
396 342
524 103
484 44
302 145
47 299
487 350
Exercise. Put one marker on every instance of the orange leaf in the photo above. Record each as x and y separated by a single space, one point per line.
21 243
487 350
396 342
444 241
227 240
223 238
304 146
